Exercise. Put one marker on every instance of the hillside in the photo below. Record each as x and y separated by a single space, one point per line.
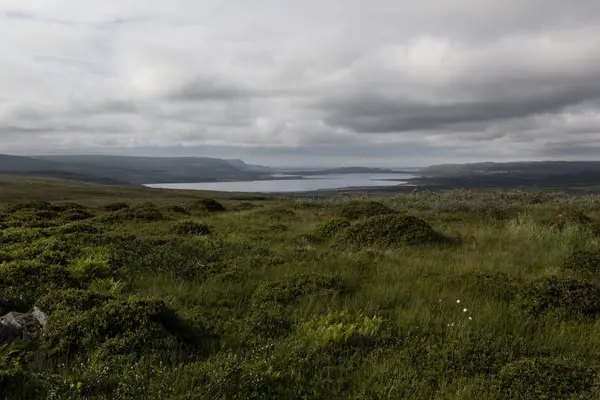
162 294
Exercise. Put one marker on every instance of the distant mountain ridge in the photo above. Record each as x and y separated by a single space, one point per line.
522 167
132 170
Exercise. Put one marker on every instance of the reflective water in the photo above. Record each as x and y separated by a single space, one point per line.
306 184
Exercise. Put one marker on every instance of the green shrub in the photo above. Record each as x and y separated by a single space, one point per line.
32 218
538 378
131 326
568 297
584 262
331 227
46 251
22 283
356 209
207 204
19 235
390 230
191 228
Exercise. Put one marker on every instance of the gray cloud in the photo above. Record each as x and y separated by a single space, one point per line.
456 80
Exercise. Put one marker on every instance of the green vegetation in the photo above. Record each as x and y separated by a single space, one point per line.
174 295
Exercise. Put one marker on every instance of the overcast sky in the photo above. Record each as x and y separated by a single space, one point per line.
378 82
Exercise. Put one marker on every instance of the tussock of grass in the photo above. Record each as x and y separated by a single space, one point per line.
388 230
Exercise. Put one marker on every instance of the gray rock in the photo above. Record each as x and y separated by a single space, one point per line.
22 325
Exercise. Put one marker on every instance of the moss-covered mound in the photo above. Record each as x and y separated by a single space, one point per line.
287 290
207 204
538 378
393 229
357 209
567 297
147 211
331 227
175 209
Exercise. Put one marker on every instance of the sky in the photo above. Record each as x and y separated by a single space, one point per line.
282 82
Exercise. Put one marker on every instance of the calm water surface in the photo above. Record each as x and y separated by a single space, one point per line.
307 184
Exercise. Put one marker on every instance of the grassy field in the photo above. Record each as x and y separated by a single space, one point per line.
170 295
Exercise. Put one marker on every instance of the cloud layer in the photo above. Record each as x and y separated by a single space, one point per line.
448 81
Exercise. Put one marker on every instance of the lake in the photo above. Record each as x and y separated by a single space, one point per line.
306 184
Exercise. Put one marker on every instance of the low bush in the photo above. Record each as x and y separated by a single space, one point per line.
583 262
539 378
207 204
287 290
22 283
133 326
387 230
567 297
191 228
